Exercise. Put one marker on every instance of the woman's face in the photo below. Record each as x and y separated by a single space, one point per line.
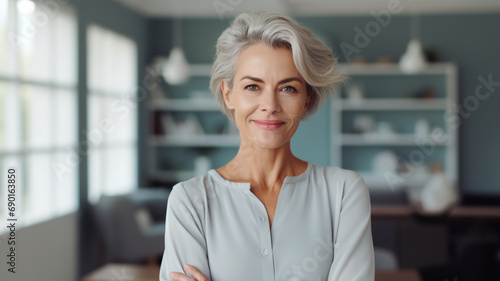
268 96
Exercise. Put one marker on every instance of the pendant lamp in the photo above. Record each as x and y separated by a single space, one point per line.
176 70
413 60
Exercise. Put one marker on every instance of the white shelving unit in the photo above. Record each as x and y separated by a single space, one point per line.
397 105
190 141
394 104
377 139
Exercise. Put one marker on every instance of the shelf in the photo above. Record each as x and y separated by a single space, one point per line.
393 104
379 139
197 141
457 212
392 69
209 104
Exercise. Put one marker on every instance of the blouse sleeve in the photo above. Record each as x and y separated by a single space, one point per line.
184 236
353 246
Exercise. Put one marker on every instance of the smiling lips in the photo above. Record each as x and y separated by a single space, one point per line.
269 125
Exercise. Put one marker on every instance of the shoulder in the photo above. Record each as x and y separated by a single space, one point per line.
341 184
193 192
335 175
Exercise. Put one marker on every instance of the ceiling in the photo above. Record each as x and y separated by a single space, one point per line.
229 8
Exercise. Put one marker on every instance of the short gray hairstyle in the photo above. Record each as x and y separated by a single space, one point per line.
314 61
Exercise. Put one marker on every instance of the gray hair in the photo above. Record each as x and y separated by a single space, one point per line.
314 61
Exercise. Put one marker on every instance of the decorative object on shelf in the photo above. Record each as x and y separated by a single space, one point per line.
426 93
385 130
438 194
359 60
422 128
384 60
413 60
168 123
355 93
364 123
189 127
431 55
385 162
202 164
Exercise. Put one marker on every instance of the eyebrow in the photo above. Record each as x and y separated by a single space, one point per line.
280 82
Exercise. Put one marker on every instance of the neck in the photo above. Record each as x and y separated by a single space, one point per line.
264 169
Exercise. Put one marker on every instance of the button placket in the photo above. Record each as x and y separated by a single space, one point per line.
264 233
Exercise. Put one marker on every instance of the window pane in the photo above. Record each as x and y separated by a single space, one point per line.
125 56
64 52
123 117
11 114
38 43
120 169
4 8
39 110
66 192
112 119
27 34
95 134
39 191
110 65
65 118
95 56
112 61
9 38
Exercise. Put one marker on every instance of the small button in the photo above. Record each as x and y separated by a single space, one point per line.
266 252
262 218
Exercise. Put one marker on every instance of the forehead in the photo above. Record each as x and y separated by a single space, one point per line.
264 61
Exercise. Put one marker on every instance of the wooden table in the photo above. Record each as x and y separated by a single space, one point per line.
113 272
129 272
459 212
400 275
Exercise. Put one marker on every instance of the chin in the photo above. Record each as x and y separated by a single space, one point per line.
269 142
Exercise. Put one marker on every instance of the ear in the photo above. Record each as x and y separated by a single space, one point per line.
226 92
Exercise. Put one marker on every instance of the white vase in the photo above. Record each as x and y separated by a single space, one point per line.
439 194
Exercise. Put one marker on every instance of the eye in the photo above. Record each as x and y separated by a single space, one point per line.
289 89
252 87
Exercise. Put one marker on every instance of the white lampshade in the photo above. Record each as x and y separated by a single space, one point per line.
413 60
176 69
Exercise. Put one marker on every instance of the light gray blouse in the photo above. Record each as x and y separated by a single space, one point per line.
321 229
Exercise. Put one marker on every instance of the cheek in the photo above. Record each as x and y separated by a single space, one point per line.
244 106
295 107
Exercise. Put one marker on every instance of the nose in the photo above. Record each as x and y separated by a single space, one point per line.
269 101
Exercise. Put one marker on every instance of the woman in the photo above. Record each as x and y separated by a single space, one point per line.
268 215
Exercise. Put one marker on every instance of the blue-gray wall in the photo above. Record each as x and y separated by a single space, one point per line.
470 41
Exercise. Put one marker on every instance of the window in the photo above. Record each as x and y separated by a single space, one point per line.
112 113
38 107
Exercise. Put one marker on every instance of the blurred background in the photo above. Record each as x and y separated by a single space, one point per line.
105 105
